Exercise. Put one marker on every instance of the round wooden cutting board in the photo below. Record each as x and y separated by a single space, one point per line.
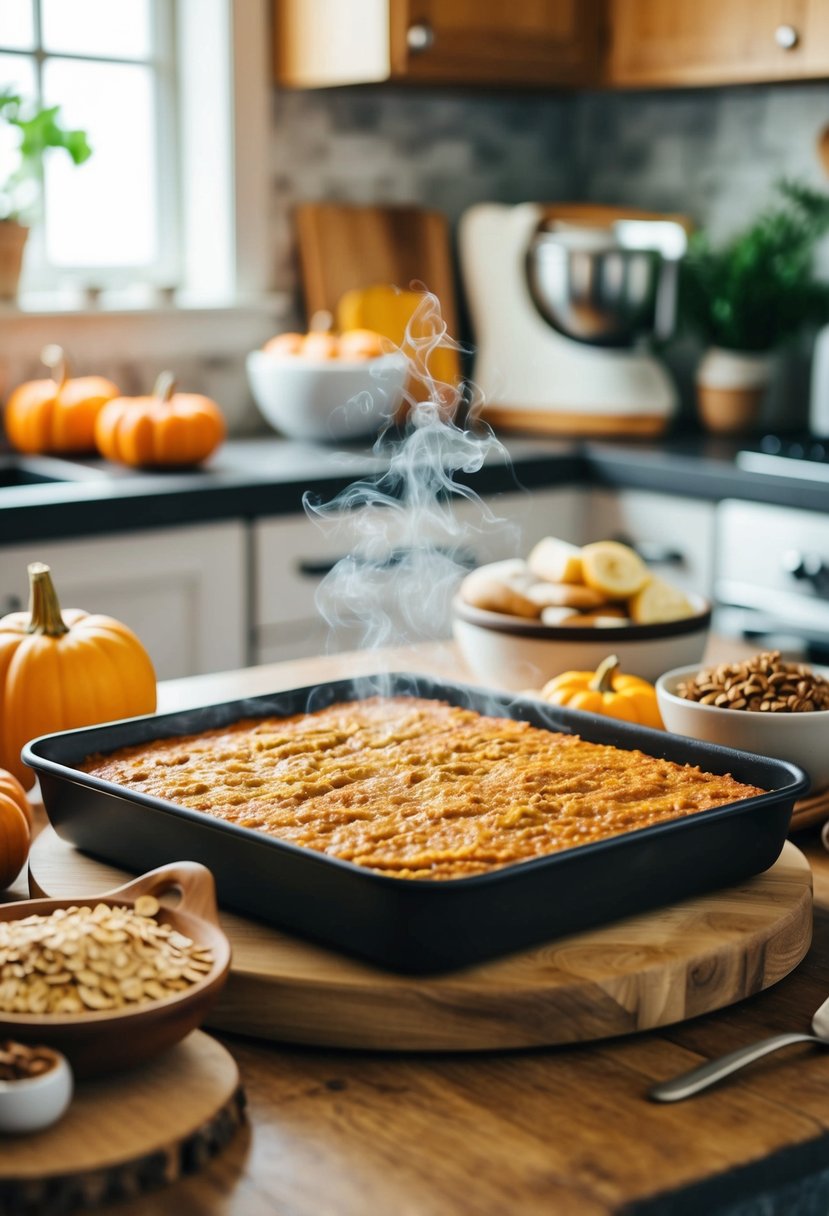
647 971
127 1133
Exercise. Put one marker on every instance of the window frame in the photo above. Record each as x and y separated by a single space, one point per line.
165 270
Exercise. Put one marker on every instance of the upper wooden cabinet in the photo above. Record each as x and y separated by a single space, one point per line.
693 42
523 42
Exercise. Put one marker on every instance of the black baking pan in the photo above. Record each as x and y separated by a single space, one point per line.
421 925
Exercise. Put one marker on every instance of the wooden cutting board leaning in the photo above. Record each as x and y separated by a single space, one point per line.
369 268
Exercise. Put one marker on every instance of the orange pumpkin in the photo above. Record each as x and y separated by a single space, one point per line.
11 788
168 428
57 415
60 670
15 838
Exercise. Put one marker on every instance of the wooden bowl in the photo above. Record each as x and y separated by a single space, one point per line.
106 1041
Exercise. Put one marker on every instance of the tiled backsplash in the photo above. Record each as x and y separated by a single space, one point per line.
711 153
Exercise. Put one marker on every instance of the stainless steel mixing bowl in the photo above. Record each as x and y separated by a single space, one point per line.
605 286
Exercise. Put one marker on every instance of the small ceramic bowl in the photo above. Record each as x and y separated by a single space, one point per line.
33 1103
515 653
107 1040
327 399
802 738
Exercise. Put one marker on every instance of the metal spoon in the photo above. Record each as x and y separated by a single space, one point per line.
698 1079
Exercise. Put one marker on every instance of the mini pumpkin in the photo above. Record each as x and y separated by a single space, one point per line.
15 831
57 415
59 670
606 691
168 428
10 787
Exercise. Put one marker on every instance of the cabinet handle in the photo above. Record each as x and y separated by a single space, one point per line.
786 37
652 552
420 37
808 568
309 568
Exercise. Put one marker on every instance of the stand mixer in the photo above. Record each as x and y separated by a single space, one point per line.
563 300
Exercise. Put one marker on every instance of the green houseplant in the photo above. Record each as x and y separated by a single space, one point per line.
748 297
39 128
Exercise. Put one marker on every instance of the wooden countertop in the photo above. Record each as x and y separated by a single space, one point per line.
562 1131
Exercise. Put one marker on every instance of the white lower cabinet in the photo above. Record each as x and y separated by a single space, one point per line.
292 555
676 536
183 591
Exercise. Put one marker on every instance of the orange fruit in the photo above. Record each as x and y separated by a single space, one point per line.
284 344
362 344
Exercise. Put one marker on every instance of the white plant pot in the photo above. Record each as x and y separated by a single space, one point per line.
731 385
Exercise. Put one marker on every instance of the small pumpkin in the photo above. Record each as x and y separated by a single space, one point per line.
59 670
57 415
166 429
15 831
10 787
606 691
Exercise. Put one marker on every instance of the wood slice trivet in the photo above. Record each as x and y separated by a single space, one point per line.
811 810
647 971
127 1133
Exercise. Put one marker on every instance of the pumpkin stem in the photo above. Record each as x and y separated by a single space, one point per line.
55 359
603 679
165 386
44 608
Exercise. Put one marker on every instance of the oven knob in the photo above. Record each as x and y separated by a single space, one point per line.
809 568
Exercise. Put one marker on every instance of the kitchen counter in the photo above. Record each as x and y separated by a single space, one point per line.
567 1131
268 476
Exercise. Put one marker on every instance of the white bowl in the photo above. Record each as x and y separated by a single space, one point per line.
802 738
330 400
36 1102
518 654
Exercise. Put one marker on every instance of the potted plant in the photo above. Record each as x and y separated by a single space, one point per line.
748 297
39 128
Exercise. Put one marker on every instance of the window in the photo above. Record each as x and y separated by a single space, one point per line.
110 65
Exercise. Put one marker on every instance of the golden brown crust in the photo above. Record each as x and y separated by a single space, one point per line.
416 788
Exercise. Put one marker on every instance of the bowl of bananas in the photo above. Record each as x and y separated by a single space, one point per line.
520 622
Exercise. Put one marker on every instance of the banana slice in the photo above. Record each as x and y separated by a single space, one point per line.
613 569
500 587
659 601
565 595
556 561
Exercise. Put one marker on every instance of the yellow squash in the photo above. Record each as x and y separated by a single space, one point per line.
59 670
412 322
606 691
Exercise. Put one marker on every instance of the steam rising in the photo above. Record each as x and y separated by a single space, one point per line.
405 546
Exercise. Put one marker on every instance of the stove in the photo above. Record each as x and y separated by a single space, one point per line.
805 457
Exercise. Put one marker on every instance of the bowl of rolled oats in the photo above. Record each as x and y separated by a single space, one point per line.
764 704
114 980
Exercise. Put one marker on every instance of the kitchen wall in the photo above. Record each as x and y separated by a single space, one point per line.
712 153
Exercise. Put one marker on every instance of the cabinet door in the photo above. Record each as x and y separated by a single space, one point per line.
489 42
525 42
674 535
183 591
664 42
292 556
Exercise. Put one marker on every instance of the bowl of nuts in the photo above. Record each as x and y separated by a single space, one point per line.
114 980
35 1087
763 704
